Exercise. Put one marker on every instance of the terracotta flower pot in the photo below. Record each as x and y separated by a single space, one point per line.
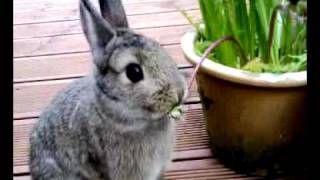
252 118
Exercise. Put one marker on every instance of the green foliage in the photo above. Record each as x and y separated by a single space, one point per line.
176 112
250 23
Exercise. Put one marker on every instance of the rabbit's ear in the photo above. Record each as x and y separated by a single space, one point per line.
114 13
97 31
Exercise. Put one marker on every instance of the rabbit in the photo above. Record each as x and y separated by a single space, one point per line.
114 123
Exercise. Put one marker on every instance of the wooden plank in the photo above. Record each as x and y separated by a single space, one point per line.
184 172
34 96
193 165
205 169
69 65
192 154
71 12
50 45
209 173
187 145
205 174
213 176
41 5
77 42
21 170
74 26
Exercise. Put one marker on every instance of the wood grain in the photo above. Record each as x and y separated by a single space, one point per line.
204 169
49 5
69 65
70 11
77 43
74 27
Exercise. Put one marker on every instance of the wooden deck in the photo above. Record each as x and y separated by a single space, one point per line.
50 51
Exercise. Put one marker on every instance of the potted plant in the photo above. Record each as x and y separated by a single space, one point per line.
252 58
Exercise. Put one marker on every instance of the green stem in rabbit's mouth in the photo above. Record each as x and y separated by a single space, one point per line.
212 46
176 110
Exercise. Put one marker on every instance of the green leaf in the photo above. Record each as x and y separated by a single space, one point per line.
248 21
301 57
176 112
255 65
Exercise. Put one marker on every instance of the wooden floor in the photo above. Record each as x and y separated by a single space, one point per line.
50 51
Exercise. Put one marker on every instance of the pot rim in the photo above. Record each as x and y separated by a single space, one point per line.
289 79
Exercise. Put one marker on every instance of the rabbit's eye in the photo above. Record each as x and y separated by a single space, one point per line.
134 72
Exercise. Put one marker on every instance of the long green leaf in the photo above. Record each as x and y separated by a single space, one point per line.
248 21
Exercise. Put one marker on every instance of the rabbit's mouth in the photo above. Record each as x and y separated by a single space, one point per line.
174 112
164 109
165 102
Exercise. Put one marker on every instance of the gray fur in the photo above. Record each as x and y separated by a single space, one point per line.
102 126
113 12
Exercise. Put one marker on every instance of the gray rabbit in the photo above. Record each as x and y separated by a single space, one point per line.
113 124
